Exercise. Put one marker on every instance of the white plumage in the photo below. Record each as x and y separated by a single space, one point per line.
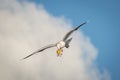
60 45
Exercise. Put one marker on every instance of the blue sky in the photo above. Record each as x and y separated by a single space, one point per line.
103 28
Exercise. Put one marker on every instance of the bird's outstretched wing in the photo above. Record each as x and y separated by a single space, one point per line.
40 50
70 32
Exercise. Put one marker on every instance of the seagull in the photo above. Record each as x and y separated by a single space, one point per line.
60 45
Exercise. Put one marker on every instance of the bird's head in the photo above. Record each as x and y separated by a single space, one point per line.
59 52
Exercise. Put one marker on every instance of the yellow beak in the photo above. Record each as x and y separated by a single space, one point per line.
59 52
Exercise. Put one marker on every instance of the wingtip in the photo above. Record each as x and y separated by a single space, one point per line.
23 58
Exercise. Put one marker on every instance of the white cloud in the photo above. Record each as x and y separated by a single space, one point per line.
24 28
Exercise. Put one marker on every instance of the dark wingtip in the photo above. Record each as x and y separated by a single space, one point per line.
23 58
81 25
29 55
26 57
84 23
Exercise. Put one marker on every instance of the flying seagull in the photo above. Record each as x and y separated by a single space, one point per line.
60 45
